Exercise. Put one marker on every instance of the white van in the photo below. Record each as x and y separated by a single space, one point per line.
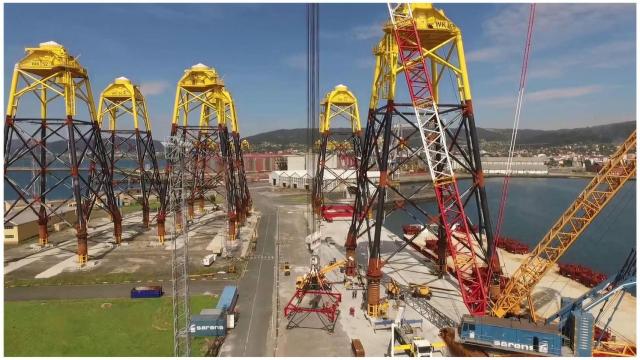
209 259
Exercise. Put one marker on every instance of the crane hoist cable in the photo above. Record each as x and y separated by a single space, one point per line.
514 135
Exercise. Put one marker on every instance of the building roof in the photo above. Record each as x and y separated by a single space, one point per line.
331 174
27 216
516 159
515 167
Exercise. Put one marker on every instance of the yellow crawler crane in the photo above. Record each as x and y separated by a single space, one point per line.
604 186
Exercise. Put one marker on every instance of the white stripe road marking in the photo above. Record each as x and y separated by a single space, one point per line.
255 294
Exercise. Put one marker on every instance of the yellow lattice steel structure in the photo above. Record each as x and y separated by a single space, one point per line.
604 186
52 77
122 102
195 91
50 73
443 48
340 103
614 349
123 98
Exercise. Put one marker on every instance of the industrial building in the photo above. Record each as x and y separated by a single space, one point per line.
302 179
533 165
25 225
264 162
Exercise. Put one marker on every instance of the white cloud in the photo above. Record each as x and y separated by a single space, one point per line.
555 24
486 54
543 95
365 63
296 61
366 32
358 32
154 87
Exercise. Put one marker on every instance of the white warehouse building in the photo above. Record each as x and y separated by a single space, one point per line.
303 179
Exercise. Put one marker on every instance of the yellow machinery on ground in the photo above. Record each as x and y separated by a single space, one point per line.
604 186
393 290
316 278
420 290
409 342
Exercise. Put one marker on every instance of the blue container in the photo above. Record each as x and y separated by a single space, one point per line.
207 325
521 336
228 298
146 292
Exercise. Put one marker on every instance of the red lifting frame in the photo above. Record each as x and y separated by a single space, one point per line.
330 311
451 209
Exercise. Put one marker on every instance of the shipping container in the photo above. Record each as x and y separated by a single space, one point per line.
228 298
207 325
517 335
146 292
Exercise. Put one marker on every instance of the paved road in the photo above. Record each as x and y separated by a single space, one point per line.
107 291
255 288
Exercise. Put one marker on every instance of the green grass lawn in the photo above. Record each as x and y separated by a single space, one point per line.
95 327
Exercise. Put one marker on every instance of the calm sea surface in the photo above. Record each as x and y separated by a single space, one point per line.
534 204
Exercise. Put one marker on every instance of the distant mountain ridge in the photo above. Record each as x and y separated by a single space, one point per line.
59 146
600 134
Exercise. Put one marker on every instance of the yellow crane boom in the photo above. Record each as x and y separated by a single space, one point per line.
604 186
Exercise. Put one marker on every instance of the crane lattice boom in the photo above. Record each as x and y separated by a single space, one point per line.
604 186
452 212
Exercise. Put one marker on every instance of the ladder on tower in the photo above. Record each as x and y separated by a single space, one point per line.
452 214
175 152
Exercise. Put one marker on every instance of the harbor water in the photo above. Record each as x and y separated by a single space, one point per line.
533 206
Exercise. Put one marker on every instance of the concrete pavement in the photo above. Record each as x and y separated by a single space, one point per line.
255 288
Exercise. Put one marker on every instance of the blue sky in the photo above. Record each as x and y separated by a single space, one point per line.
582 69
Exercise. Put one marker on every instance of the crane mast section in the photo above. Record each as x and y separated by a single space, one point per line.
452 213
595 197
